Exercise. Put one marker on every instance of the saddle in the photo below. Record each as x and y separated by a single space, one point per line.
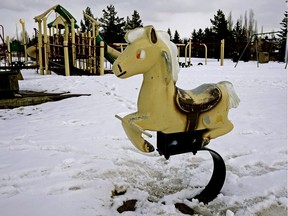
195 101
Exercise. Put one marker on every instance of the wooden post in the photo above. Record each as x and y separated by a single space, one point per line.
66 34
222 52
94 48
89 51
189 45
66 52
190 51
83 50
186 47
66 58
73 42
24 40
102 58
40 60
78 50
9 50
45 46
178 50
257 53
205 52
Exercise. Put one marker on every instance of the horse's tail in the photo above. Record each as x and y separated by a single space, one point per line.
233 97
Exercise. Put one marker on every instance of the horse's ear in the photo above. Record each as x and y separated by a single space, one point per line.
153 36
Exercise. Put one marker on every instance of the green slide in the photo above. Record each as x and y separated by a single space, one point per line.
107 55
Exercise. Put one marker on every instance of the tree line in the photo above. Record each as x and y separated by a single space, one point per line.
236 35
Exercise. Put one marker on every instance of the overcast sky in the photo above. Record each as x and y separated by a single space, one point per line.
180 15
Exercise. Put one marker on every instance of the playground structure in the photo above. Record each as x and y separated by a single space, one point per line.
66 51
12 52
188 53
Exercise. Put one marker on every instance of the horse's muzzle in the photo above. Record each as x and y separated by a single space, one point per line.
121 72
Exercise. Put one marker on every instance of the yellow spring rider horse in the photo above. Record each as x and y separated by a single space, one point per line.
162 106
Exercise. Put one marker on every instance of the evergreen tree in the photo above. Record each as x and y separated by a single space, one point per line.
112 25
200 35
283 37
194 36
220 25
169 33
220 29
134 22
176 38
208 35
86 25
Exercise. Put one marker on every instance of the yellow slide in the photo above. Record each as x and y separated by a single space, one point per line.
31 51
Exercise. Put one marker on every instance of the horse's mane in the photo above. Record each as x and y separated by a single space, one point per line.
165 38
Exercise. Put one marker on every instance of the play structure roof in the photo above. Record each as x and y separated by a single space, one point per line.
60 22
66 16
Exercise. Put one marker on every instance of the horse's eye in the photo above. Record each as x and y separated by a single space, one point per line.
141 54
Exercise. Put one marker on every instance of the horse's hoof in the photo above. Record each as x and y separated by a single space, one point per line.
148 147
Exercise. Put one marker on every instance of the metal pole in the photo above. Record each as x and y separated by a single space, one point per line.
205 52
90 51
9 50
46 46
40 48
66 51
244 50
222 52
24 40
94 47
66 59
102 58
73 42
190 51
257 54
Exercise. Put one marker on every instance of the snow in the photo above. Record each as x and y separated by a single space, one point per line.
68 157
134 34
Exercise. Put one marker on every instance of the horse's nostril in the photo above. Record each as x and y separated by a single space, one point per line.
120 69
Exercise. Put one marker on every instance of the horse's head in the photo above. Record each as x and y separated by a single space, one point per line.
146 48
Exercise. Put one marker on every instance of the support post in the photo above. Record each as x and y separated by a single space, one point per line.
257 53
83 50
222 52
94 47
24 40
89 51
189 45
9 50
101 58
66 52
40 61
73 42
46 46
190 51
205 52
66 58
178 50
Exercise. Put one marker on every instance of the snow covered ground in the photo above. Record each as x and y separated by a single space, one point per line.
72 157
